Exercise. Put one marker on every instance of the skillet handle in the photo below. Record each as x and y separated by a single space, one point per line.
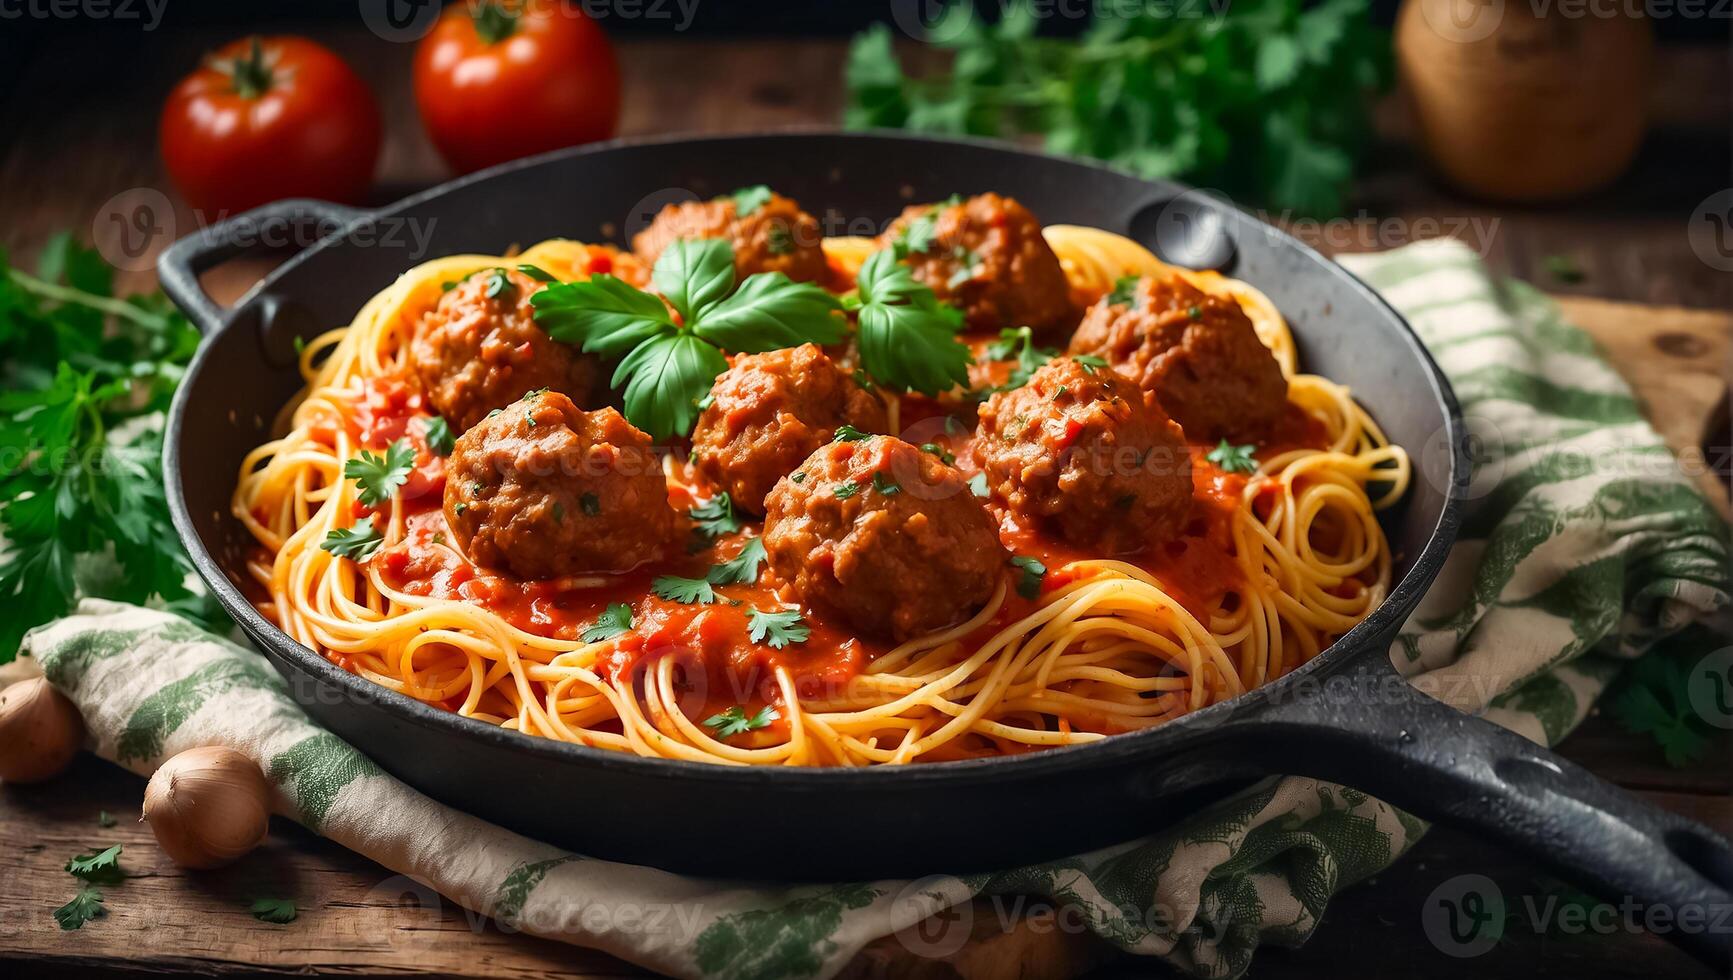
271 225
1367 727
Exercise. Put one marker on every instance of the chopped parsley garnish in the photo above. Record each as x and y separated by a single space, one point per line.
848 433
1059 393
686 590
357 543
667 367
378 477
1018 343
1195 312
907 337
917 236
945 455
1233 459
750 199
968 267
844 491
614 621
978 485
798 478
280 911
778 241
777 629
1124 291
885 485
742 569
590 504
102 867
436 432
1090 362
448 285
536 272
735 721
559 510
498 284
704 404
86 905
715 517
1030 572
863 379
459 507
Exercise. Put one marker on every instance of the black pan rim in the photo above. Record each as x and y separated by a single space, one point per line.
1109 751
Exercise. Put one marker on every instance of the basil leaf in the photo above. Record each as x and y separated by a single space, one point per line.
771 311
603 315
694 275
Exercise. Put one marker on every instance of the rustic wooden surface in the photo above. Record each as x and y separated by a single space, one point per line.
65 158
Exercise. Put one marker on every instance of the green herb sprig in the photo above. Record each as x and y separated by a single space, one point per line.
907 337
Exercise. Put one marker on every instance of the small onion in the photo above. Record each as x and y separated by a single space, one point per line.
208 806
40 732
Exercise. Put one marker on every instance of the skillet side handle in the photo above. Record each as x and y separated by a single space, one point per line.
1367 727
280 222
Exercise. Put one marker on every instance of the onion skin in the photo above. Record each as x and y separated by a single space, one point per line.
208 807
40 732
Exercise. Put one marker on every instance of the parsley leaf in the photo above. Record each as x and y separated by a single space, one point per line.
1194 98
379 477
742 569
945 455
1019 343
278 910
667 368
735 721
102 866
750 199
1233 459
715 517
614 621
1031 572
498 284
848 433
357 543
843 491
1654 698
907 337
686 590
978 485
86 905
1090 362
436 432
885 486
1124 291
777 629
536 272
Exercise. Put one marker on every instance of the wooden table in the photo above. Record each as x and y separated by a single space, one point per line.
65 158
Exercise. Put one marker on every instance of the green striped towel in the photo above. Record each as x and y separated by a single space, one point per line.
1585 545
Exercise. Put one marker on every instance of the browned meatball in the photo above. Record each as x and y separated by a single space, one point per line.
543 490
475 353
769 412
1088 451
1199 353
986 257
884 537
775 236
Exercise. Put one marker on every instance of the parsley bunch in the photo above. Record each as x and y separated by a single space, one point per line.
667 366
83 378
1266 100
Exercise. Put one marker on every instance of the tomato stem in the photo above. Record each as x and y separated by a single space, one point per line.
494 23
250 74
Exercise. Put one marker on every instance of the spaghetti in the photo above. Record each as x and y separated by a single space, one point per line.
1272 567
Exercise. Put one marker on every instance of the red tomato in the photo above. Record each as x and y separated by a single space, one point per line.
500 80
267 118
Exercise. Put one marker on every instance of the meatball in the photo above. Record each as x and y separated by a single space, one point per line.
474 352
1197 352
884 537
1087 451
986 256
543 490
774 236
769 412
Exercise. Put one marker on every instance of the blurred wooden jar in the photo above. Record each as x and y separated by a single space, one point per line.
1521 106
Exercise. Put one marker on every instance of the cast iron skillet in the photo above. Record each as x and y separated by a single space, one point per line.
1346 716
